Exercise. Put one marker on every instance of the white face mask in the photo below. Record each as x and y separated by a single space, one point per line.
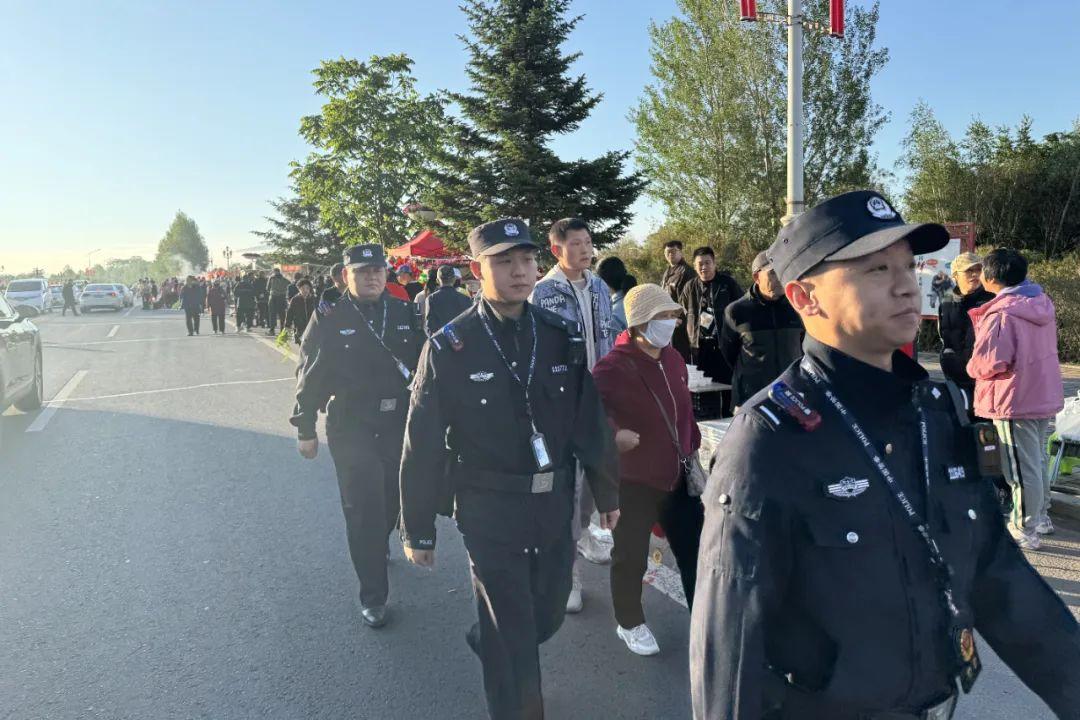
659 332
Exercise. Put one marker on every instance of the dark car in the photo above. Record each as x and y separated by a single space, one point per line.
21 382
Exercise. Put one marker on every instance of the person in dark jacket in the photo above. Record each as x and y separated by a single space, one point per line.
262 299
68 293
704 299
193 300
654 431
853 545
333 292
676 276
761 334
294 286
954 323
217 301
444 304
245 303
300 309
613 272
277 289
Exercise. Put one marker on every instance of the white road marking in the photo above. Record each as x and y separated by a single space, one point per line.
269 343
187 338
51 407
130 310
176 389
112 333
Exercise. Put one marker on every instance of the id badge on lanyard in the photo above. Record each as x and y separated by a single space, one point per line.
540 451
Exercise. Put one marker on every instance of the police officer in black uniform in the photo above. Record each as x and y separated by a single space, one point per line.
852 541
359 355
502 406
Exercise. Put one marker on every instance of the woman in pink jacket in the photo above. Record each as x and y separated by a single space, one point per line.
1018 385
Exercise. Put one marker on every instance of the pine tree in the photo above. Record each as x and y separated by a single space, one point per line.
298 235
184 242
523 95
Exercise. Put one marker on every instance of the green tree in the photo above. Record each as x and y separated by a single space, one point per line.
374 140
711 125
298 235
184 242
523 95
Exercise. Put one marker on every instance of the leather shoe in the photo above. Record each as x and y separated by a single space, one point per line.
374 616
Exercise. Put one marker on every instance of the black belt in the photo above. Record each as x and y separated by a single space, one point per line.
537 483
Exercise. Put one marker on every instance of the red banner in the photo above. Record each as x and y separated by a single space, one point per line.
836 18
748 10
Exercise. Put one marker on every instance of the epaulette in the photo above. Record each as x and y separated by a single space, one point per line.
447 336
325 308
783 403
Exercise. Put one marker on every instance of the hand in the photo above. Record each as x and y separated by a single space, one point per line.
308 448
626 440
609 520
423 558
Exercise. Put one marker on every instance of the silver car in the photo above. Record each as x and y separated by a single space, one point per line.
102 295
33 294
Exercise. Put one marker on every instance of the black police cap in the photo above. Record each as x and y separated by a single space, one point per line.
499 236
845 227
365 255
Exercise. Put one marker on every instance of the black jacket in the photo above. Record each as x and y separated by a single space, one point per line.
465 399
713 297
958 334
442 306
299 313
343 362
760 338
825 603
675 279
244 293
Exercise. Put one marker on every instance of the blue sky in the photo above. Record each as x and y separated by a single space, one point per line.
116 114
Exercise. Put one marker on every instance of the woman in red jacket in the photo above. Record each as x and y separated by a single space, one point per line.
643 383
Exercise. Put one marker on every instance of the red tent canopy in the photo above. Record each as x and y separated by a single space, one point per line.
425 245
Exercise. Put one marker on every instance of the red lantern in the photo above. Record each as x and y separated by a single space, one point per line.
836 18
748 10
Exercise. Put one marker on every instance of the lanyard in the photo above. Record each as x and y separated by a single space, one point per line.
402 367
937 560
513 373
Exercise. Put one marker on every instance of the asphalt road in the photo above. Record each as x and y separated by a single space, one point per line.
165 553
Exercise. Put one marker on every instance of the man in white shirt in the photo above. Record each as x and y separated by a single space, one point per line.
571 290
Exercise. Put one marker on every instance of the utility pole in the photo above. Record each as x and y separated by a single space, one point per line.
796 23
796 203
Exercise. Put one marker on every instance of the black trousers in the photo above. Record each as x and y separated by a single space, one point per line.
520 603
261 312
191 317
278 308
69 304
218 321
681 517
368 464
244 316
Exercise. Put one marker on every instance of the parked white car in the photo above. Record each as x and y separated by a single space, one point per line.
33 294
102 295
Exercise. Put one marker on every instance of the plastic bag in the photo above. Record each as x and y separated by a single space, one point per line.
1067 424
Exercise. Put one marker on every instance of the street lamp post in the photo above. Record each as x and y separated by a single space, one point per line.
796 23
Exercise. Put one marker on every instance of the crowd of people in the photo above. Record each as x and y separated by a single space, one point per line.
552 417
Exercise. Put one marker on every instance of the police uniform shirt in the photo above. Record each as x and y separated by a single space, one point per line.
341 358
465 398
814 589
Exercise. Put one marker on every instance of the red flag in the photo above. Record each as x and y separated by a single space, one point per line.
748 10
836 18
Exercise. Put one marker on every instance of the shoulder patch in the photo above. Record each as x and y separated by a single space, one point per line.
770 413
325 308
449 335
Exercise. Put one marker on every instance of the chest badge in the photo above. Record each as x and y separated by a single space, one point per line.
847 488
482 376
957 472
347 331
559 369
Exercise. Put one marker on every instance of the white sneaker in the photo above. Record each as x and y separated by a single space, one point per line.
1045 527
639 640
593 549
1029 541
575 602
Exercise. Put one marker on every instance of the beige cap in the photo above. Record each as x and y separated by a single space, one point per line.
964 261
643 302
